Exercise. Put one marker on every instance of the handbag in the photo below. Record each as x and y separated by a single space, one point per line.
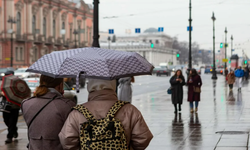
37 115
5 106
197 89
170 90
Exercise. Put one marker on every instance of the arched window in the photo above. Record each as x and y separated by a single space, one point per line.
44 28
63 35
79 35
34 25
54 28
18 23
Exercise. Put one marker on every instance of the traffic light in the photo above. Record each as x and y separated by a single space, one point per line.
177 55
221 45
217 60
245 62
152 45
229 61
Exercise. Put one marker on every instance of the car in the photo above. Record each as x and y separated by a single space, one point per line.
163 71
198 70
68 92
71 82
21 73
4 70
157 68
208 69
172 68
220 70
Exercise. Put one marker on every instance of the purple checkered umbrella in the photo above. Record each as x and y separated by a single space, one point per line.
91 62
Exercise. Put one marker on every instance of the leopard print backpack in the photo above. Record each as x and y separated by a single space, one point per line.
103 134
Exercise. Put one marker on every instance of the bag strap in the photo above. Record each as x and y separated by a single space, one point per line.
113 110
87 114
40 110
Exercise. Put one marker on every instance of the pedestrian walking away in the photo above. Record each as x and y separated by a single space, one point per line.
10 116
194 83
246 73
101 98
226 71
239 74
125 89
45 114
177 82
231 80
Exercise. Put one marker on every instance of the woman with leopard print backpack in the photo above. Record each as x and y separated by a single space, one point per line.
85 125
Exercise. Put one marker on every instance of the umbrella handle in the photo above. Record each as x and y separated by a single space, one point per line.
77 80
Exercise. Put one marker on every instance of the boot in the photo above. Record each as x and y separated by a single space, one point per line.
196 109
175 108
191 110
8 140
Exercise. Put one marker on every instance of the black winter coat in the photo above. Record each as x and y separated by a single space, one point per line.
177 89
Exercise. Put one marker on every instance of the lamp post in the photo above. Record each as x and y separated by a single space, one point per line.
190 37
225 47
232 45
75 33
214 67
109 39
96 24
12 21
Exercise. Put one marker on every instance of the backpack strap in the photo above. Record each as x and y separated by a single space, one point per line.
113 110
87 114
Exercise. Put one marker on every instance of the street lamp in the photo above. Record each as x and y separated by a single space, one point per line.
96 24
75 33
12 21
214 67
225 47
232 45
190 37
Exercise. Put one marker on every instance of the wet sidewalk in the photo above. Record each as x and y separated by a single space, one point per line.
222 121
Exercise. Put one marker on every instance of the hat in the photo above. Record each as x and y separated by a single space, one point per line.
98 84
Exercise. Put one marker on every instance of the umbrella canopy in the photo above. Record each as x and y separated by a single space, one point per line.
15 89
92 62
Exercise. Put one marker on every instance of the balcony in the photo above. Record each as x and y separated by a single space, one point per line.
20 38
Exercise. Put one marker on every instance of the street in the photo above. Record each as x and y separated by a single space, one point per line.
222 121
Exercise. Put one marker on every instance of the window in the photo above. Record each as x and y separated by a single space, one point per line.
35 52
1 51
16 52
44 28
79 35
54 28
63 28
156 41
34 25
18 23
70 33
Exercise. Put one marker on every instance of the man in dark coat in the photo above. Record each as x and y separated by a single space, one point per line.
11 117
177 82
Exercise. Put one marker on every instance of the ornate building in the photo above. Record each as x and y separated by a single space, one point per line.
38 27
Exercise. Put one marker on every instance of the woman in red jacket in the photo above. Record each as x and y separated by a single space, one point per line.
194 88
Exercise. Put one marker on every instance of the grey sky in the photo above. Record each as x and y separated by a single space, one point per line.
173 16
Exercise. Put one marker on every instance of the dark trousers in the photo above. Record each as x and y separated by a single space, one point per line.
231 86
10 119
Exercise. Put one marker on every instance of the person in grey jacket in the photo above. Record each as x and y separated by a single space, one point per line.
125 89
44 130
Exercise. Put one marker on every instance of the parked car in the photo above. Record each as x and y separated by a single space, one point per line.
4 70
68 92
163 71
208 69
21 73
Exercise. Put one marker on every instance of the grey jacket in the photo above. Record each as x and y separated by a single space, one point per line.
44 130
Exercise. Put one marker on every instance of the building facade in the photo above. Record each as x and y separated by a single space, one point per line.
34 28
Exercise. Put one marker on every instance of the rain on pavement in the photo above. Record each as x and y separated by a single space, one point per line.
222 121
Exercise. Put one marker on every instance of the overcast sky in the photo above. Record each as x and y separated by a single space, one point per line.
173 16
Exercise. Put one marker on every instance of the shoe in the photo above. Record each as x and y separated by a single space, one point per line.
15 135
8 140
196 110
191 110
179 108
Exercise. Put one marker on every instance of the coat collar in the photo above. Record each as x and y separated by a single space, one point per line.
52 92
102 95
